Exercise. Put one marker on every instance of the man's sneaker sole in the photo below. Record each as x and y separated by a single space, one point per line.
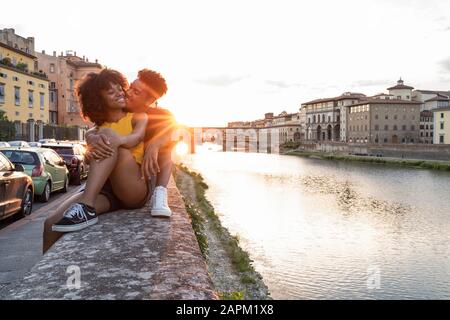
77 227
160 213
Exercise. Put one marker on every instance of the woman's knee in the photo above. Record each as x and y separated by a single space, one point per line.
112 136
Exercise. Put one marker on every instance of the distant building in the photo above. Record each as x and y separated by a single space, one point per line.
24 90
326 119
384 121
426 127
64 71
401 91
442 123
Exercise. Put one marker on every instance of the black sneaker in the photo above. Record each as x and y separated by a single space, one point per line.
77 217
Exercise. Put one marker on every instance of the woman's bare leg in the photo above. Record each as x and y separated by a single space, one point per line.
102 205
100 171
127 182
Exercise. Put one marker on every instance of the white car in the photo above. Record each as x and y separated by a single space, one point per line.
22 144
4 144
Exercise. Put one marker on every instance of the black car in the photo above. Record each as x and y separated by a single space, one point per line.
16 190
73 155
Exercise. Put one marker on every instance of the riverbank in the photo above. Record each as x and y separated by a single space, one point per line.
420 164
229 266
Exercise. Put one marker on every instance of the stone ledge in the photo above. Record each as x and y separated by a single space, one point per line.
127 255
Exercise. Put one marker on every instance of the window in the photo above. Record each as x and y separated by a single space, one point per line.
442 126
30 99
377 127
31 83
442 115
395 128
52 85
3 75
395 117
386 128
421 134
17 113
376 117
15 79
41 86
407 97
52 97
17 96
329 119
2 93
30 115
385 140
70 84
42 100
413 128
52 68
441 138
399 97
386 117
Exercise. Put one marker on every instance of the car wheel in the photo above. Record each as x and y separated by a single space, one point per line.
66 184
27 203
46 194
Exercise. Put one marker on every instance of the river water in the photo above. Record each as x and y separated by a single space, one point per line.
319 229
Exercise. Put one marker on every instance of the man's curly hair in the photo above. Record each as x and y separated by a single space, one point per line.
89 92
153 80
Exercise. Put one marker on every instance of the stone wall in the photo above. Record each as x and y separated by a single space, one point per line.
127 255
407 151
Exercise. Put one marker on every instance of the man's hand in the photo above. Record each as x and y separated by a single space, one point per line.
150 164
99 147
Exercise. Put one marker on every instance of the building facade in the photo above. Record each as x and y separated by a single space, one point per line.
384 121
326 119
442 123
24 91
64 71
426 127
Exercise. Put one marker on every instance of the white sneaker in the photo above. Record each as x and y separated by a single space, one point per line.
158 203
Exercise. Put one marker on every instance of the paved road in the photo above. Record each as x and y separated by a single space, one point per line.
21 240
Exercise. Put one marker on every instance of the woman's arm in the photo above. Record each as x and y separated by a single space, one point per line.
139 123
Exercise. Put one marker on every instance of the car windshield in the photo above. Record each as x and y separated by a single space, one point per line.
67 151
21 157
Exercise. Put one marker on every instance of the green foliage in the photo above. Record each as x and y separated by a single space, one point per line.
240 259
7 128
235 295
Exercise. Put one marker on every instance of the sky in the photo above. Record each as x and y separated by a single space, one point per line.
233 60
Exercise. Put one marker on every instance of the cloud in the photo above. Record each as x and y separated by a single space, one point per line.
220 80
445 65
370 83
282 84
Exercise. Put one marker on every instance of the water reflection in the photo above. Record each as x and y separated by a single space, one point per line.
316 228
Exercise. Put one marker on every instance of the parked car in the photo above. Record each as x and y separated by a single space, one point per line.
45 167
4 144
22 144
16 190
42 141
73 154
35 144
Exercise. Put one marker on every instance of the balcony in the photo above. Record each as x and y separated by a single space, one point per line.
21 68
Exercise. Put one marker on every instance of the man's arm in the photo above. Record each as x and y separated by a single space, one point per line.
98 145
160 138
139 124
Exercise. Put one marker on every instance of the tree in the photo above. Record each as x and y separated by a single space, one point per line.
7 128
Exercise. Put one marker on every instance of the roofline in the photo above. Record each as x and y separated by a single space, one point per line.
17 50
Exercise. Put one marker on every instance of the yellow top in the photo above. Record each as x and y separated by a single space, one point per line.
124 127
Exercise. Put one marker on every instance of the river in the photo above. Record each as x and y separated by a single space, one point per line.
319 229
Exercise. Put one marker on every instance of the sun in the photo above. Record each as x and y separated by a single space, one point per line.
182 148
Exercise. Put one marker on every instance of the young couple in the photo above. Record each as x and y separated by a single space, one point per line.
131 143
